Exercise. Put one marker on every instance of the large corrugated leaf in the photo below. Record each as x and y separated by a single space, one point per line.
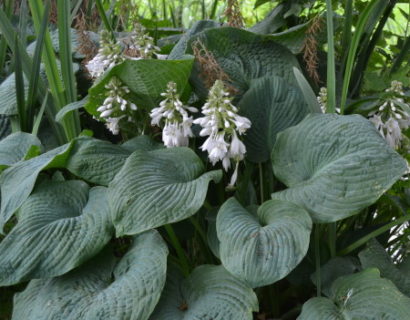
363 296
262 249
272 105
18 181
98 161
244 55
100 289
146 79
158 187
15 147
374 256
334 165
61 225
210 292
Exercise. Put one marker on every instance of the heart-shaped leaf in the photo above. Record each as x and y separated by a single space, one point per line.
272 105
98 161
374 256
58 229
18 181
262 249
146 79
210 292
363 296
244 55
158 187
15 147
334 165
90 292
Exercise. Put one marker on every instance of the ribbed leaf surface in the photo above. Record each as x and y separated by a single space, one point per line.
146 79
374 256
100 289
158 187
5 127
58 229
18 181
210 292
244 55
363 296
272 105
262 249
14 148
334 165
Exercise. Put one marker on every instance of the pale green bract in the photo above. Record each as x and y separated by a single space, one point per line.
210 292
102 289
363 296
271 105
158 187
262 249
60 225
334 165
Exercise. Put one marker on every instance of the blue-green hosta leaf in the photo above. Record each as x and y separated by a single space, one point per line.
18 181
15 147
210 292
158 187
363 296
374 256
262 249
5 127
57 230
146 79
271 105
180 48
244 55
90 292
98 161
334 165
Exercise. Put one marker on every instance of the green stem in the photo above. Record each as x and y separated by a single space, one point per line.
372 235
332 239
331 70
317 261
178 248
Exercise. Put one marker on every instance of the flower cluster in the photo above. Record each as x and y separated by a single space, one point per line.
109 54
177 122
392 116
140 45
222 125
115 107
322 99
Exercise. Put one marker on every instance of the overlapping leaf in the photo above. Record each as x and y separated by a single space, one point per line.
363 296
99 161
334 165
18 181
244 55
272 105
15 147
5 127
374 256
210 292
262 249
58 229
158 187
146 79
90 292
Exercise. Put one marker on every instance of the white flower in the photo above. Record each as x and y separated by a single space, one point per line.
177 122
222 125
391 117
112 124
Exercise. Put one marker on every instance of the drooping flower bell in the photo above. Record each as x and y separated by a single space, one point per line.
223 126
174 117
140 45
392 116
116 106
109 54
